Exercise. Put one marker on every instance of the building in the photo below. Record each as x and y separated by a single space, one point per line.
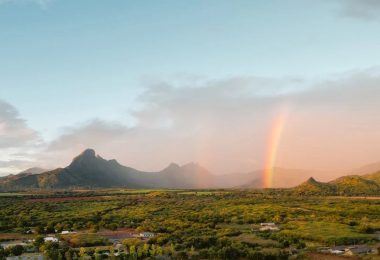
357 250
338 250
65 232
269 227
51 239
350 250
146 234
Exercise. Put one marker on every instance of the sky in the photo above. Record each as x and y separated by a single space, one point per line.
154 82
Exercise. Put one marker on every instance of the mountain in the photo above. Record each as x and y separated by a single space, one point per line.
374 177
89 170
92 171
313 187
352 185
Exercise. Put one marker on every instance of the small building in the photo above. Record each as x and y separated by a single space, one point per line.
338 250
146 234
358 250
29 231
65 232
267 224
269 227
51 239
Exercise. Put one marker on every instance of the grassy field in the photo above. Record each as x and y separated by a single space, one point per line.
221 224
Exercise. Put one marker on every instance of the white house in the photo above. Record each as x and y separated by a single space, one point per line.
270 226
51 239
65 232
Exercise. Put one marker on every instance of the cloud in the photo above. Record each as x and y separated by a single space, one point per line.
14 166
18 141
361 9
225 124
14 131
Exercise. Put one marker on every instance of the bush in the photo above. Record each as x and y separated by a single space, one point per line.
17 250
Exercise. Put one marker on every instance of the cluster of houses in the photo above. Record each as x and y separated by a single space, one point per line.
27 243
347 250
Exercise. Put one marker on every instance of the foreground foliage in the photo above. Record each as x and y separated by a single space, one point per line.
189 224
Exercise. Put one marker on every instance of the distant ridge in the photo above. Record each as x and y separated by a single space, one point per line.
353 185
89 170
92 171
311 186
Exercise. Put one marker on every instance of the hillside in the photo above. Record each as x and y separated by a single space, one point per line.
374 177
355 185
313 187
352 185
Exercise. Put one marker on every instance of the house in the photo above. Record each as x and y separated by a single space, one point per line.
324 250
269 227
146 234
267 224
51 239
29 231
338 250
65 232
357 250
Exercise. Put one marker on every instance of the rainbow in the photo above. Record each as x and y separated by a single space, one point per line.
274 140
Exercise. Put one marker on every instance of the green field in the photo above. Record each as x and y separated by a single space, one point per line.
193 224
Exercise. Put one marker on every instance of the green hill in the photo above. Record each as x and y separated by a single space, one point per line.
352 185
313 187
355 185
374 177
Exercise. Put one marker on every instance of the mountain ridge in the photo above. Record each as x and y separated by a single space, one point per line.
353 185
90 170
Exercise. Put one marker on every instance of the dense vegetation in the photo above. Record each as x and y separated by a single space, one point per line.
191 224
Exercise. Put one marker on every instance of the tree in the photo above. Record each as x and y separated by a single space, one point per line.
17 250
159 251
132 251
82 252
145 249
2 253
68 255
192 251
51 250
153 251
40 229
38 241
97 254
